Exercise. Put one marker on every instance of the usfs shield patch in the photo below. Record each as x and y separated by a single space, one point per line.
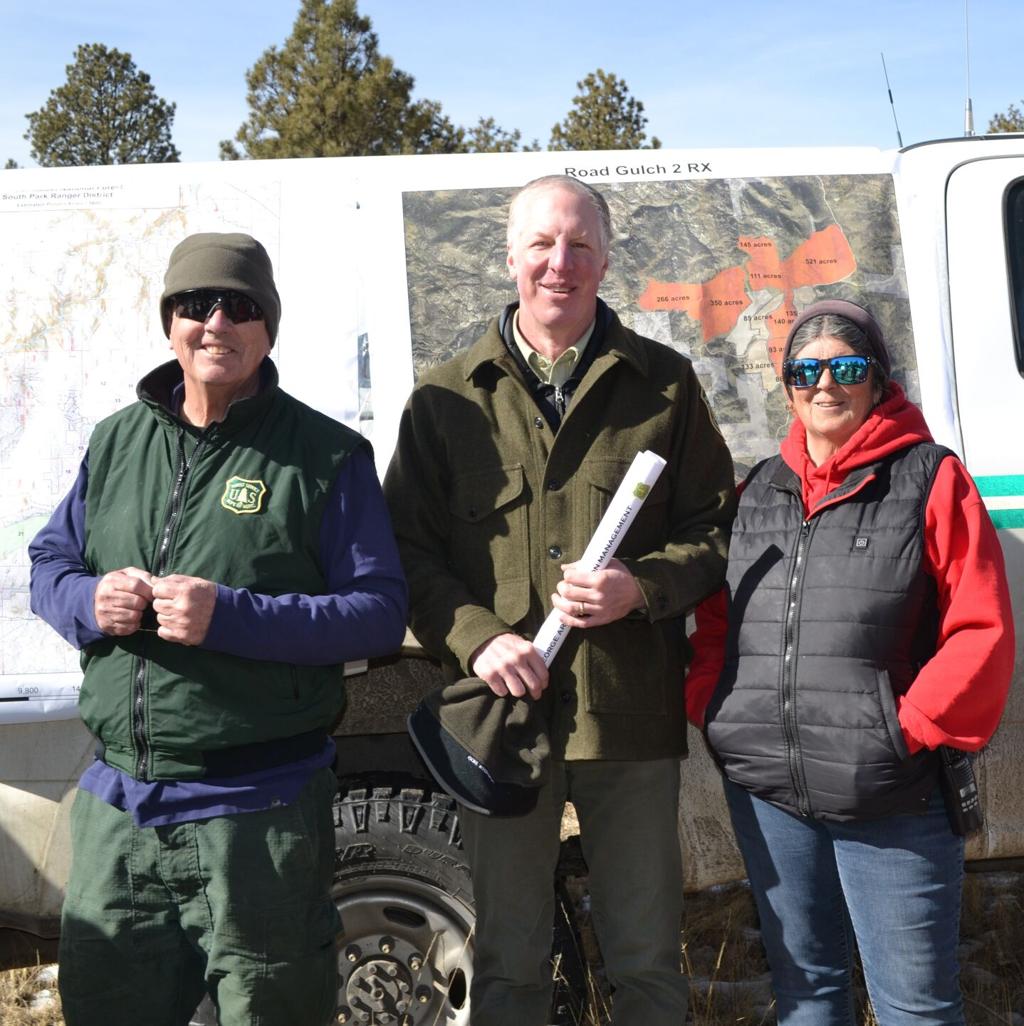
243 496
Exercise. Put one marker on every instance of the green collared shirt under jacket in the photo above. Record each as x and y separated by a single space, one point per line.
488 502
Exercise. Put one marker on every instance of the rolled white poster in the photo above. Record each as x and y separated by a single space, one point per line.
634 489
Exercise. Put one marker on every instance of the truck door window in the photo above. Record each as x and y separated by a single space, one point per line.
1015 257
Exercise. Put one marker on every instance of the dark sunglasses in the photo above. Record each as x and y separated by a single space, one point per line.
199 304
845 370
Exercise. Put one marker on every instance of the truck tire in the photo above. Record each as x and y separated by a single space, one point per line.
402 885
403 888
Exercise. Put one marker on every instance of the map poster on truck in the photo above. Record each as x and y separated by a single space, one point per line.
715 269
386 266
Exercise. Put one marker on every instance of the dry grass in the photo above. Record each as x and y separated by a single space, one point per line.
723 957
28 997
730 985
992 949
722 954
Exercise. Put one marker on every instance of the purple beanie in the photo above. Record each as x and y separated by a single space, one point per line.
853 313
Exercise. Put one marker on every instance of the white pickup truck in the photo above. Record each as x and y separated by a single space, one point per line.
386 265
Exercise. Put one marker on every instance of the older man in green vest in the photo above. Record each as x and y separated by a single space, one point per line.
225 549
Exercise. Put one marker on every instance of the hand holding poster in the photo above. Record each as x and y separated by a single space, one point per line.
634 489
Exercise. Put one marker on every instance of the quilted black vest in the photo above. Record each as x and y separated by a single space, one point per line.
830 620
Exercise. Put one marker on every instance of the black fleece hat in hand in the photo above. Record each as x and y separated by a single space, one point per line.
489 753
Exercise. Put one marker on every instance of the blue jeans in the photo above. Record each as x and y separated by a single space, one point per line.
892 885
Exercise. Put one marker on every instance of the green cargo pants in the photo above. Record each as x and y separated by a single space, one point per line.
628 813
237 904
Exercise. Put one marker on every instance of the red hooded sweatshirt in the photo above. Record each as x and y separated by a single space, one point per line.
958 697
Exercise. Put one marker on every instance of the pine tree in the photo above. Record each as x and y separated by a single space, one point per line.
604 116
329 92
107 112
487 137
1012 120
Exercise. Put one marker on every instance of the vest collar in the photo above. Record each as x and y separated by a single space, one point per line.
157 391
784 478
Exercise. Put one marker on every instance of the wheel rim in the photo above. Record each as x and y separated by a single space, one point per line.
405 955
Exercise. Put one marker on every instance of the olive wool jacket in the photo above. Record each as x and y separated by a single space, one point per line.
488 502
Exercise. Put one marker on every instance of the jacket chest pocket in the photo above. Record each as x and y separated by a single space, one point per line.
649 531
490 545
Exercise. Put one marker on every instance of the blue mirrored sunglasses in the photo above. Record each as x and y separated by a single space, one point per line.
845 370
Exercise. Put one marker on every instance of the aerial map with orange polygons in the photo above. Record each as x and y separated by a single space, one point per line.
823 259
716 268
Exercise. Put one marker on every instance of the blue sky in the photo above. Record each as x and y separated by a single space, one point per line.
720 73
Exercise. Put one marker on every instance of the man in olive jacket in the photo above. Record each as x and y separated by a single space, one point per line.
507 458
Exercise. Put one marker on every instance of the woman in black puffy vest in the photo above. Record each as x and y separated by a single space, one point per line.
864 630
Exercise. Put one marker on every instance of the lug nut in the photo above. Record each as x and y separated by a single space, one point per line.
391 970
422 995
387 945
353 953
344 1014
415 963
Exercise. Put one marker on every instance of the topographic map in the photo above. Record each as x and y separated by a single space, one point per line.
82 271
716 269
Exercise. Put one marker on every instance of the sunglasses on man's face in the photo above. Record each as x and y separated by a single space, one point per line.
845 370
199 304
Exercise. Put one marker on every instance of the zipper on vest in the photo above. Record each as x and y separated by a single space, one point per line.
790 731
184 464
559 402
789 726
139 720
174 506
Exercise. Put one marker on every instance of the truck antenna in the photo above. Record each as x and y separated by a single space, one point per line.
968 109
899 138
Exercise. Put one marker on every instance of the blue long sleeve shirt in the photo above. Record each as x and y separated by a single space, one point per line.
361 614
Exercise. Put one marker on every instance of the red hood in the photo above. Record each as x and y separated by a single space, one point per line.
892 425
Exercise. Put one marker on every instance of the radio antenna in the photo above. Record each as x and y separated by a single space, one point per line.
899 138
968 109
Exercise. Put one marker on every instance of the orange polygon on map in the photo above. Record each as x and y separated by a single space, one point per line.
717 303
823 259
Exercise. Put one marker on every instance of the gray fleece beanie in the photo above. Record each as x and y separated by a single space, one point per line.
216 260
